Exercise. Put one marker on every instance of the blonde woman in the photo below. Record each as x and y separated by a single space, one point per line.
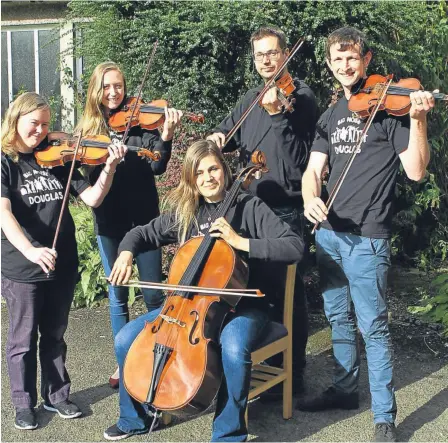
133 199
251 228
37 282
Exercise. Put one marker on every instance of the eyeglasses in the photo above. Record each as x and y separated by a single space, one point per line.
273 54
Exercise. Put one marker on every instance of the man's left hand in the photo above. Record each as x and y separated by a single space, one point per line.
421 103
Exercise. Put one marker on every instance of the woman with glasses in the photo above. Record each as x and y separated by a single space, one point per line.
285 139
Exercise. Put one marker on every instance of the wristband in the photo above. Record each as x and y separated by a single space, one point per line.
109 173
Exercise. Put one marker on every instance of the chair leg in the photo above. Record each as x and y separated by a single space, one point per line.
287 385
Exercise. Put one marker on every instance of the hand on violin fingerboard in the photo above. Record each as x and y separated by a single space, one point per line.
122 269
117 151
270 102
172 121
421 103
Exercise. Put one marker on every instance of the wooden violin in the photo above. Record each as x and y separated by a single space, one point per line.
146 115
92 150
285 87
396 101
174 364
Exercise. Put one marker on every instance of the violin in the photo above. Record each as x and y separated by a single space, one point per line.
146 115
174 364
92 150
285 87
396 101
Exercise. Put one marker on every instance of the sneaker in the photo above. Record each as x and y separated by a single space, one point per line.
385 432
25 418
329 399
115 433
65 409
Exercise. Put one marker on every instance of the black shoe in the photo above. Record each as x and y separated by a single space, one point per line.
65 409
25 418
115 433
329 399
385 432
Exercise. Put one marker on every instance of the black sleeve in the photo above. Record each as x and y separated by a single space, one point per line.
6 178
78 183
229 122
151 140
397 129
321 142
157 233
271 238
295 130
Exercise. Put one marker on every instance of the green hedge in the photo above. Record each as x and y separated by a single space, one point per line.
203 63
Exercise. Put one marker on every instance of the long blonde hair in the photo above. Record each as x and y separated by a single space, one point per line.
184 200
22 105
92 121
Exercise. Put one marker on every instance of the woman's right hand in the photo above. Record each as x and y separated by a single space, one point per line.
44 257
122 270
218 138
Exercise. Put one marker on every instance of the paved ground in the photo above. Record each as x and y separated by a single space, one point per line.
422 396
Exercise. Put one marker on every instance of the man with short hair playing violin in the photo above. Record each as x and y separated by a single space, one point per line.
285 139
353 244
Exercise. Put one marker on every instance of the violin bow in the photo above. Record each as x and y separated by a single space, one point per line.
350 160
196 289
267 86
148 65
66 194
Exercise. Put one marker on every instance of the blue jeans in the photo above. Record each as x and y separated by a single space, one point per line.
238 337
149 269
354 269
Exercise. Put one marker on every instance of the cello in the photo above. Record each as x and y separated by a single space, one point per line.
174 364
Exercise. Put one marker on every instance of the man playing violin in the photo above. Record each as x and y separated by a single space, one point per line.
353 244
252 229
285 139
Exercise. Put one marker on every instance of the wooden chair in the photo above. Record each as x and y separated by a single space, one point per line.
278 338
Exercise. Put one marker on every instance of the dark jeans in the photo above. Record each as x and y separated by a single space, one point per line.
40 306
296 220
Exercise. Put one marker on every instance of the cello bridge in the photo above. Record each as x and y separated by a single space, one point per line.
172 320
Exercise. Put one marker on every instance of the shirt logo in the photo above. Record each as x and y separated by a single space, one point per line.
346 136
39 187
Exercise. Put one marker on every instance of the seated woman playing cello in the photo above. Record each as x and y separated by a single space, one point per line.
251 228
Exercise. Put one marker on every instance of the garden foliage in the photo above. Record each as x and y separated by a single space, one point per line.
203 62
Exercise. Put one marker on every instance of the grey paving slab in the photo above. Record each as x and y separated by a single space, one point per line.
421 394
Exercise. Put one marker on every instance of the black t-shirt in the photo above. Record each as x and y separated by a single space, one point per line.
132 199
36 196
364 204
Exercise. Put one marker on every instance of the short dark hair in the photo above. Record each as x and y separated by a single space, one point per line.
269 31
347 37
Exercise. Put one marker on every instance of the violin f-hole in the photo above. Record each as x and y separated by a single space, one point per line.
193 329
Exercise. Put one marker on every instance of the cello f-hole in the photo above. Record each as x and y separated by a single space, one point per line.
193 329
